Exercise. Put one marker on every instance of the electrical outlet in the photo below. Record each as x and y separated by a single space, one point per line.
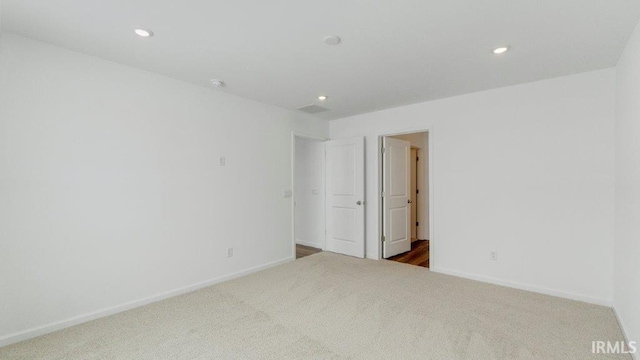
493 255
229 252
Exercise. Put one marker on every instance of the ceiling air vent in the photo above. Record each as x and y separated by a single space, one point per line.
313 109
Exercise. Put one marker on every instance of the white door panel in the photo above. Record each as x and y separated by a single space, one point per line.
345 196
414 195
397 195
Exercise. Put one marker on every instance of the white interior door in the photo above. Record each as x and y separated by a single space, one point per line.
414 194
396 196
345 196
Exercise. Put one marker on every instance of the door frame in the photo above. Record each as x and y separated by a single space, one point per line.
417 200
431 182
313 137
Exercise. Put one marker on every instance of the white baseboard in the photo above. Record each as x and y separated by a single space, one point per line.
59 325
372 256
527 287
305 243
624 333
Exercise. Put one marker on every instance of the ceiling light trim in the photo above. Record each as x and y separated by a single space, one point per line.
332 40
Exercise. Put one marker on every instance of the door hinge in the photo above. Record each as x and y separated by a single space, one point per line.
383 238
417 159
383 150
417 223
383 194
417 191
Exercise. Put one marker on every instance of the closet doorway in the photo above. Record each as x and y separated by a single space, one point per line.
405 198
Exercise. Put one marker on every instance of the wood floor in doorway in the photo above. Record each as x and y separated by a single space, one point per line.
419 254
303 250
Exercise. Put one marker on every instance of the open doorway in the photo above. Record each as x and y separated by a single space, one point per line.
405 203
308 196
328 180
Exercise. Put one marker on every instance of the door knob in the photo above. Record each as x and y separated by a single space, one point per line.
409 201
358 202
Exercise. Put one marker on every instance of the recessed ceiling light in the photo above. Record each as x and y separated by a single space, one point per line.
501 50
322 97
332 40
143 32
217 83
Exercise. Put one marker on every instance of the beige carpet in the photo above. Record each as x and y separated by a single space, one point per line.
328 306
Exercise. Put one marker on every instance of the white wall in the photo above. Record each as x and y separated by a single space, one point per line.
111 191
309 192
525 170
627 194
421 140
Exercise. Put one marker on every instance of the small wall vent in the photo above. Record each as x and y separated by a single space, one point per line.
313 109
